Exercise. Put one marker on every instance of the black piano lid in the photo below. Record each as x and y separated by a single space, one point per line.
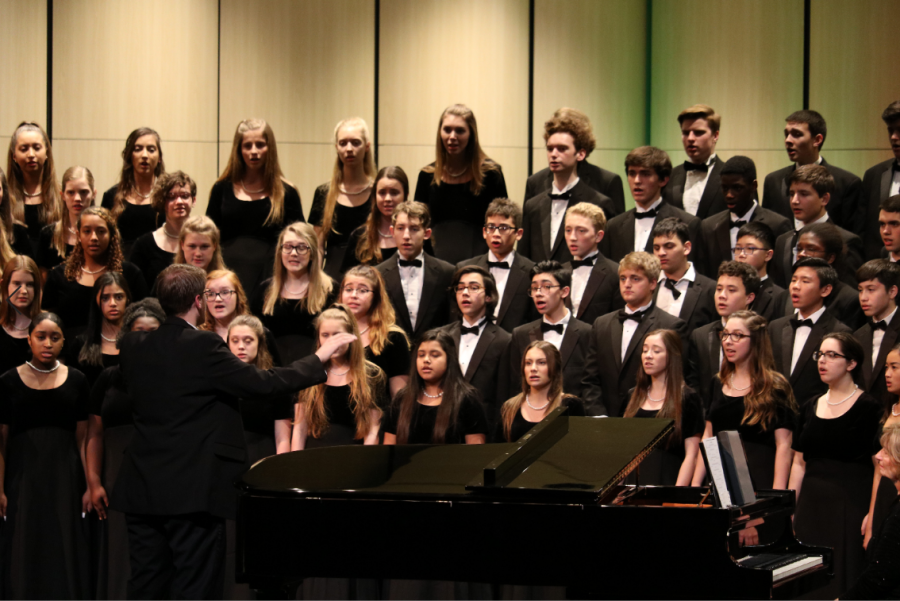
563 458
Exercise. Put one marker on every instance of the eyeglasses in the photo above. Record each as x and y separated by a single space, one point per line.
177 195
733 336
543 289
745 250
288 249
223 294
830 355
358 291
491 228
473 288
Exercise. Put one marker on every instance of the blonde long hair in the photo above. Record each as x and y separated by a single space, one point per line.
382 319
365 379
58 241
511 408
202 226
49 209
337 174
7 210
272 175
320 285
6 251
478 162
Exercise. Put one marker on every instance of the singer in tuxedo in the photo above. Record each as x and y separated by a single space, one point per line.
755 244
648 171
542 240
804 136
882 181
550 286
511 271
605 182
615 339
694 185
416 282
889 228
879 281
718 233
176 484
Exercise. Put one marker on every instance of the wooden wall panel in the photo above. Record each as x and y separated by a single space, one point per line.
591 56
853 78
23 70
435 53
742 57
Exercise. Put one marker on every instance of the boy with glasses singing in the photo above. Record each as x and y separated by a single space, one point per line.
754 245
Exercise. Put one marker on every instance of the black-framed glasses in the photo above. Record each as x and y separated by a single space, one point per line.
289 249
733 336
830 355
503 228
543 288
473 288
745 250
223 294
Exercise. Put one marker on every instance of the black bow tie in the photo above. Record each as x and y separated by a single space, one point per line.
895 166
880 325
739 223
413 263
463 330
563 196
796 323
498 265
547 327
637 316
689 166
670 284
589 262
651 214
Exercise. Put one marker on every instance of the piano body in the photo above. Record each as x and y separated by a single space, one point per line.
549 509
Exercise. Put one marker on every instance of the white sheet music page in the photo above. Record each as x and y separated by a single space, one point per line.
714 460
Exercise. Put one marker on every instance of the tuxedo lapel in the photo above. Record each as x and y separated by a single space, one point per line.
484 342
626 233
395 291
787 258
816 332
512 284
886 179
455 332
713 350
787 350
560 234
429 285
690 301
616 340
535 333
723 238
865 339
570 339
637 339
784 187
712 187
598 274
545 227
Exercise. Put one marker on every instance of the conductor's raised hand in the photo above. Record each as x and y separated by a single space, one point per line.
336 344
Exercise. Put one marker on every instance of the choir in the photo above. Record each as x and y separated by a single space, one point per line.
456 317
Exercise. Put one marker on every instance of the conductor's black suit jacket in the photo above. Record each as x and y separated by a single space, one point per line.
188 445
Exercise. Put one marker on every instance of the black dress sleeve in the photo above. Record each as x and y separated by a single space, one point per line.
389 420
317 211
692 423
56 280
21 244
98 392
109 198
214 208
881 578
47 257
806 413
423 186
272 348
135 280
494 184
293 208
471 418
396 355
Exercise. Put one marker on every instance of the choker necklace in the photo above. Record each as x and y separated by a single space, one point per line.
43 371
89 272
244 188
460 174
892 410
107 339
334 373
433 396
855 388
650 398
541 408
361 332
147 195
733 387
35 195
166 232
344 190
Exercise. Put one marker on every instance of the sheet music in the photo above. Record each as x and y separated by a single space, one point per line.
716 471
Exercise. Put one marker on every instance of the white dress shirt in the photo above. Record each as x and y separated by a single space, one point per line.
412 279
629 327
878 336
895 184
558 209
501 276
733 231
580 277
643 227
554 338
468 342
694 185
801 335
665 300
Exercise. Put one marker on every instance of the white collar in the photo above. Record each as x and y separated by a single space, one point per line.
887 320
814 317
564 321
593 255
644 308
508 260
421 257
746 216
481 322
799 225
569 186
690 275
709 161
655 205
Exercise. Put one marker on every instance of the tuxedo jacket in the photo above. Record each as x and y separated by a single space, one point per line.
876 188
772 301
605 182
842 304
574 349
702 359
715 236
488 370
782 263
845 208
605 367
188 445
536 243
516 307
619 238
805 378
601 294
434 306
873 375
711 202
699 306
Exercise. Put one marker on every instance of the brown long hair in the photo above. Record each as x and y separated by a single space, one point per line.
272 175
127 184
365 379
337 174
241 306
7 209
382 319
673 405
19 263
48 210
478 162
368 249
511 408
320 285
263 358
75 261
58 240
202 226
761 402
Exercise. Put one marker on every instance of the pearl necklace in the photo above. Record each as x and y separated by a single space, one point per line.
460 174
541 408
733 387
43 371
107 339
35 195
71 231
166 232
344 190
433 396
892 410
385 235
334 373
650 398
260 191
89 272
147 195
15 327
361 332
828 397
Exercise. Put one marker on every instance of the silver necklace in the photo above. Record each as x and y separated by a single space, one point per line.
385 235
166 232
334 373
460 174
344 190
72 231
433 396
43 371
892 410
541 408
89 272
855 388
147 195
650 398
361 332
35 195
244 188
107 339
733 387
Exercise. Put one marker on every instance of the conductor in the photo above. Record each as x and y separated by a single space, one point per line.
176 484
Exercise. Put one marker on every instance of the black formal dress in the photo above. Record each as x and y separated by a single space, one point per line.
715 236
537 242
34 225
470 420
150 258
771 300
781 267
521 426
876 187
47 255
885 496
45 539
601 292
619 238
134 221
881 577
603 181
13 351
394 359
487 369
19 240
90 371
341 421
434 304
340 244
515 307
457 215
248 242
837 485
712 200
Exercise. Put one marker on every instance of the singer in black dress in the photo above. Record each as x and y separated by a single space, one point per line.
32 187
58 239
20 286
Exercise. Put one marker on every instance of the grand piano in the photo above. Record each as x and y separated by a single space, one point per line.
550 509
